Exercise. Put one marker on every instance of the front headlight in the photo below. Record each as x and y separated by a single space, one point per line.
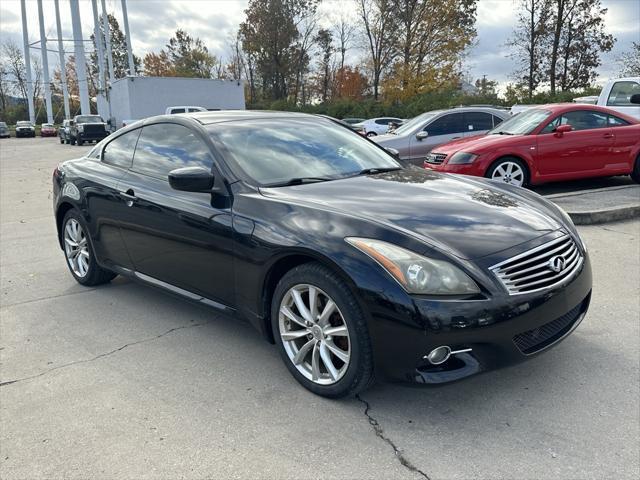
461 158
81 128
417 274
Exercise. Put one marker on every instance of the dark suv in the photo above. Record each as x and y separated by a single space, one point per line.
87 128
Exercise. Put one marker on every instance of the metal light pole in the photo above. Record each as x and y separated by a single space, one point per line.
132 68
45 64
98 41
27 62
107 41
81 68
63 64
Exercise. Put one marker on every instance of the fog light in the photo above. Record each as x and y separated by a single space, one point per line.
441 354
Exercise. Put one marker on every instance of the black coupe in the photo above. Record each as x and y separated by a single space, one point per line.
351 264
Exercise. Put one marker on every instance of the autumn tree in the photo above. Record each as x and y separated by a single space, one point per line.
431 38
158 65
350 84
189 56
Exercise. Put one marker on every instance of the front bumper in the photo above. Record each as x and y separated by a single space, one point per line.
25 133
466 169
500 331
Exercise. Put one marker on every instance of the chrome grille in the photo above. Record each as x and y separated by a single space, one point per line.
436 158
541 268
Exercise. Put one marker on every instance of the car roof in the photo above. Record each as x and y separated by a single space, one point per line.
208 118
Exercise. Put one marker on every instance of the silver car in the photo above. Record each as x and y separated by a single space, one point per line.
416 137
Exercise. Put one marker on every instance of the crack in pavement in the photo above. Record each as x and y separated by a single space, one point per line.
380 433
617 231
102 355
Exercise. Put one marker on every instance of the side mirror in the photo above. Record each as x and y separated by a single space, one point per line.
422 135
562 129
635 98
191 179
394 153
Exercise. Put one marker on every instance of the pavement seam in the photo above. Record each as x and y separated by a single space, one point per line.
377 429
35 300
102 355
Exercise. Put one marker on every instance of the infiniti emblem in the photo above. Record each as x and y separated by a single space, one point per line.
556 263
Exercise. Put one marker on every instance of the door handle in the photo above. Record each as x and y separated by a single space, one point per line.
455 138
608 135
129 197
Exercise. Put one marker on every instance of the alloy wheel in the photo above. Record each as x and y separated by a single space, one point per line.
509 172
314 334
76 248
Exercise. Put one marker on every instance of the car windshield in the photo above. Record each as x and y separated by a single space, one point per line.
521 124
276 152
411 124
23 124
88 119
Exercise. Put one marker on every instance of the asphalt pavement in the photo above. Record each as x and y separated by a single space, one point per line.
124 381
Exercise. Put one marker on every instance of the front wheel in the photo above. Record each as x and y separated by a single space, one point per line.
321 332
80 142
79 252
509 170
371 134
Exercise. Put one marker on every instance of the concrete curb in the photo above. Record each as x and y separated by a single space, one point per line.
605 215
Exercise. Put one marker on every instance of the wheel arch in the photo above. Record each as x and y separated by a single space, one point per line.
62 210
278 269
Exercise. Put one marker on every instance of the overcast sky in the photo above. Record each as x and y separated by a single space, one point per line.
153 22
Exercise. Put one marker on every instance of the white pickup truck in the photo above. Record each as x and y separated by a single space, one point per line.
617 93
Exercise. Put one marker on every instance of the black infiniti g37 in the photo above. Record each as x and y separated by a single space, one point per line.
351 264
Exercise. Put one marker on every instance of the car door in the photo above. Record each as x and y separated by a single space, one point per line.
625 139
581 152
442 129
180 238
109 164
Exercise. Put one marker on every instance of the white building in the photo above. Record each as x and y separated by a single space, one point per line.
134 98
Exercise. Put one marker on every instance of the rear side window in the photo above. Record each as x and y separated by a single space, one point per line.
620 95
163 147
383 121
617 121
478 121
496 120
119 152
447 125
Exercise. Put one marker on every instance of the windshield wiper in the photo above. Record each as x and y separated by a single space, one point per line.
502 132
298 181
373 171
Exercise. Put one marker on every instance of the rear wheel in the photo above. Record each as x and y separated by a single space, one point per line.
371 134
79 252
635 174
509 170
321 332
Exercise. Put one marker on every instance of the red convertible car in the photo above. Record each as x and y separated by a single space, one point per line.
547 144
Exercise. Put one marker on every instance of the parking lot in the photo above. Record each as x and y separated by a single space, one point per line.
124 381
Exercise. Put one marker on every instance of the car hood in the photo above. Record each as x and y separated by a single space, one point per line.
465 217
389 140
475 144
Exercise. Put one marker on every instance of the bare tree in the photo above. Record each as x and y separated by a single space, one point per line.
378 21
344 32
528 39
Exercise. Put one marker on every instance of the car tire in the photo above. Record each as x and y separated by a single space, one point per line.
80 258
509 170
72 141
371 134
635 174
341 338
80 142
61 140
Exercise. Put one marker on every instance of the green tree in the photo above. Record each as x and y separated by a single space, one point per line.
118 53
189 57
324 40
